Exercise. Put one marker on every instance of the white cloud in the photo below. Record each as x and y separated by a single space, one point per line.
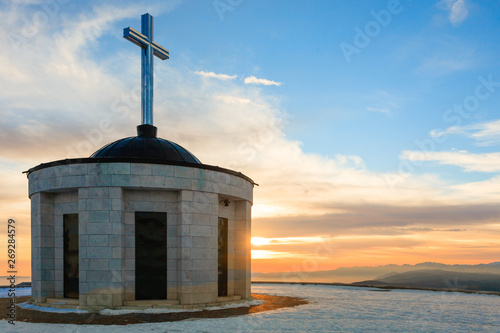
241 128
232 99
44 80
488 162
457 10
489 187
486 134
222 77
254 80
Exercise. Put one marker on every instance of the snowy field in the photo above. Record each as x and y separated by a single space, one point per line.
332 309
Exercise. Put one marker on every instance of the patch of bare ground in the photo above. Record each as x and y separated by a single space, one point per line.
34 316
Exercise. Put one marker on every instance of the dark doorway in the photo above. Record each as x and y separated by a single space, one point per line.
71 274
150 255
222 256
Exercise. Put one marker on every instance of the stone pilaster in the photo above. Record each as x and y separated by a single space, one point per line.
101 247
197 266
242 234
42 247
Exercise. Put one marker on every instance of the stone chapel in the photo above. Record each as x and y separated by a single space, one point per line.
141 222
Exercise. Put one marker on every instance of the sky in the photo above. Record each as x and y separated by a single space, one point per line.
371 127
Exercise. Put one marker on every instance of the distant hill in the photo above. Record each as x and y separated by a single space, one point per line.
439 279
354 274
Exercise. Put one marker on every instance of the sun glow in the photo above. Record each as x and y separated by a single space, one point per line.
265 254
261 210
258 241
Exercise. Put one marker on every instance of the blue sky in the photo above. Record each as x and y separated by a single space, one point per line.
332 106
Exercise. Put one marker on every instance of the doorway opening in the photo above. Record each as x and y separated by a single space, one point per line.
150 255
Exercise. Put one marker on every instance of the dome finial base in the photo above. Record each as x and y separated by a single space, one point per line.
146 130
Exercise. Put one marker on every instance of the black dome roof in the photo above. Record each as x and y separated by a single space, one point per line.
146 146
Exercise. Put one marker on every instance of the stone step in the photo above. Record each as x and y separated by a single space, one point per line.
228 298
63 301
152 302
58 306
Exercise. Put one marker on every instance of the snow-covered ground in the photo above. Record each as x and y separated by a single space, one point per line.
332 309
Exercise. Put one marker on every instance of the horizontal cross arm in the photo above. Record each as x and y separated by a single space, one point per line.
135 37
142 41
160 51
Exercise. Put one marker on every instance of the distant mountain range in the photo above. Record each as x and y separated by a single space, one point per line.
438 279
382 273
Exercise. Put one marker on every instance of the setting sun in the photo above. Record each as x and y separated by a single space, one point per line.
258 241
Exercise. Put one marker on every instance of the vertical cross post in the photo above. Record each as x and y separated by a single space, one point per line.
147 72
149 49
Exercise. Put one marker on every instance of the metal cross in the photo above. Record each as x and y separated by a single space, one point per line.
149 48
